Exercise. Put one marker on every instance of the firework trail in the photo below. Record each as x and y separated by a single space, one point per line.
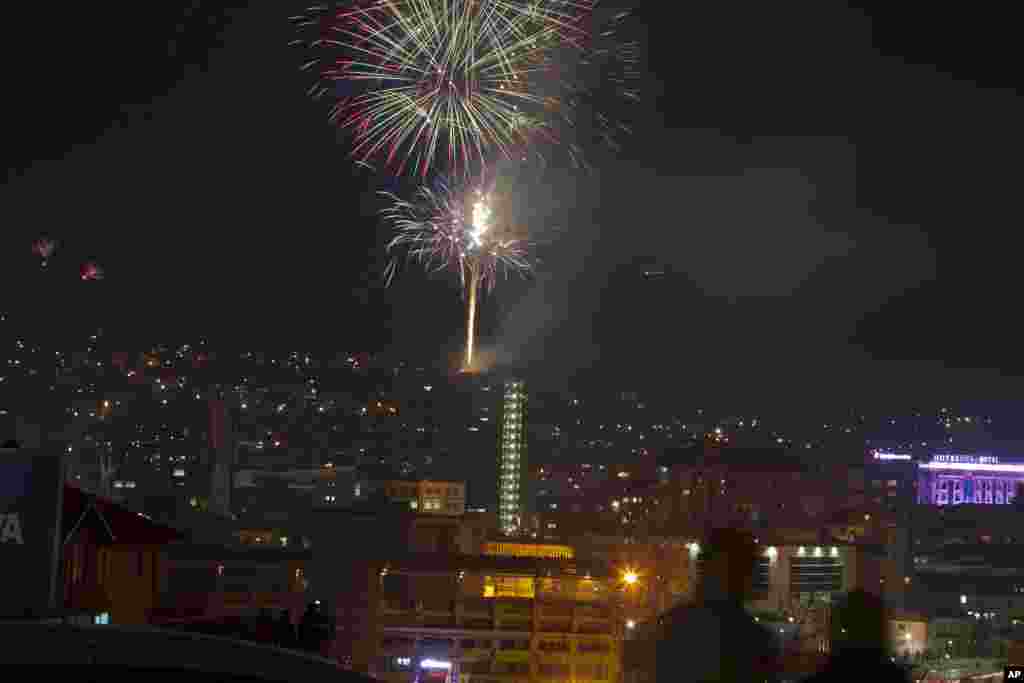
417 81
454 228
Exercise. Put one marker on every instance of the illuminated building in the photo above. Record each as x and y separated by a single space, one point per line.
955 479
908 633
948 479
512 458
543 550
429 497
497 618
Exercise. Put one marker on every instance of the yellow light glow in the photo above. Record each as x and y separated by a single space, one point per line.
630 577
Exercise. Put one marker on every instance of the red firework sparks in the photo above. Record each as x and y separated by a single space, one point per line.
44 248
91 271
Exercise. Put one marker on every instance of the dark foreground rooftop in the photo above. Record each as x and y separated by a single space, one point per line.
42 645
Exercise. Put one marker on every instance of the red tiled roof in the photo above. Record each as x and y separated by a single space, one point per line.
118 524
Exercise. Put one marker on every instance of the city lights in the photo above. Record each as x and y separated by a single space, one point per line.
435 664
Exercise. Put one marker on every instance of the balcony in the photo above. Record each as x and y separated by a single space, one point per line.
477 624
593 612
555 609
396 606
592 647
554 646
594 627
477 607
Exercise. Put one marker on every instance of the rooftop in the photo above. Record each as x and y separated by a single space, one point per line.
116 523
151 648
535 566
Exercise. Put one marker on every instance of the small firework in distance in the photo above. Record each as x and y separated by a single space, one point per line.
455 227
91 271
44 248
421 81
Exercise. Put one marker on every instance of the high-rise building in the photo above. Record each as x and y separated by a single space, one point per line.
222 451
512 458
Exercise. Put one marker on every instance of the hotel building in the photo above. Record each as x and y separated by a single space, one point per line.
947 479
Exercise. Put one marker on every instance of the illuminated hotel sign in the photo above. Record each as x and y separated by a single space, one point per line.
966 459
890 456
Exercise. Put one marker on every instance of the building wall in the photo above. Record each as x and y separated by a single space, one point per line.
789 579
546 635
122 581
429 497
474 530
951 635
908 635
357 616
664 569
210 586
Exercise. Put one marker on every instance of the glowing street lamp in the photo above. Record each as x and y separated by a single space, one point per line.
630 577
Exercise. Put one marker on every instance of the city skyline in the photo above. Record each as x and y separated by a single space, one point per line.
262 374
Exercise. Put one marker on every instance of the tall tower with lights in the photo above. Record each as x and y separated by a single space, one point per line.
512 458
222 453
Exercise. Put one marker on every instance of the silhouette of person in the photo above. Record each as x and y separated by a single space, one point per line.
285 630
264 627
860 636
714 639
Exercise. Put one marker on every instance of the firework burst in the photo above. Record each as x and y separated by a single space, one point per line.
91 272
417 81
44 248
449 229
454 228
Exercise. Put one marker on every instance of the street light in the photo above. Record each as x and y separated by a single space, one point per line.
630 577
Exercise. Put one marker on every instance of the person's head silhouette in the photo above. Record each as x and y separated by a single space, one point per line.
730 558
861 622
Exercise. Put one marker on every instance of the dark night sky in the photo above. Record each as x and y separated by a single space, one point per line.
832 189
